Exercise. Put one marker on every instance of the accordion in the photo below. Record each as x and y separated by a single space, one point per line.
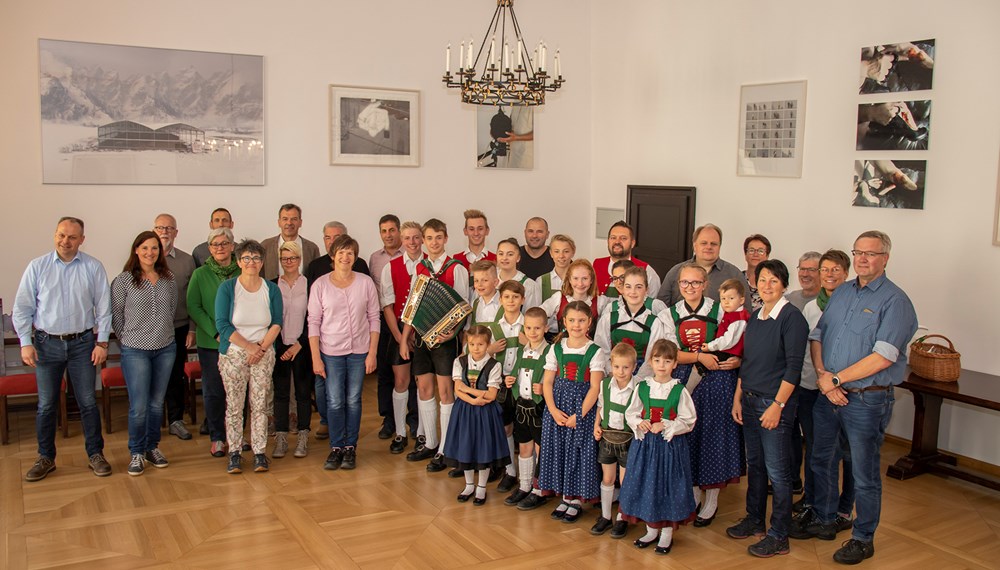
434 310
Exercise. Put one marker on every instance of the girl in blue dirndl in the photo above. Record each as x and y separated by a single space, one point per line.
657 485
574 369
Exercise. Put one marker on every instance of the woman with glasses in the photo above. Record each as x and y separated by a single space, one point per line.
343 336
756 248
294 359
143 299
202 289
716 441
248 314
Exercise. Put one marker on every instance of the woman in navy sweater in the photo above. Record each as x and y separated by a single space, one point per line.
764 405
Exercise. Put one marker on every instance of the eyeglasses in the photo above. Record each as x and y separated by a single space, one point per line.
289 259
757 251
617 279
808 269
831 270
164 228
866 254
253 259
685 284
220 244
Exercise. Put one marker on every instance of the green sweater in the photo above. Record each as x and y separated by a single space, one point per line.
202 289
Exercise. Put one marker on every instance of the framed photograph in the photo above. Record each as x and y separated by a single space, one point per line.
370 126
996 216
505 137
772 129
115 114
889 184
894 125
906 66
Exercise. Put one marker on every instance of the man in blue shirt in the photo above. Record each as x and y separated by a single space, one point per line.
62 298
858 349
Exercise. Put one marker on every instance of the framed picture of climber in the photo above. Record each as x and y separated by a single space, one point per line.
373 126
505 137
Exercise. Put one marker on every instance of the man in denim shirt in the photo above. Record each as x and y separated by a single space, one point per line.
858 349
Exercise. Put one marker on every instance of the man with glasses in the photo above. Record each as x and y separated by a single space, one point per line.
181 266
63 297
289 221
220 218
808 274
859 351
707 240
324 264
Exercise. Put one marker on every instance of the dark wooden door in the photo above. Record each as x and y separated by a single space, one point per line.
663 218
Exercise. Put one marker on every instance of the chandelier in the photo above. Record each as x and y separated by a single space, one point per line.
507 77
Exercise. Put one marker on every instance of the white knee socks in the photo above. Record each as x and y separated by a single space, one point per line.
399 411
428 410
607 497
525 470
445 418
710 505
666 537
511 470
469 486
484 477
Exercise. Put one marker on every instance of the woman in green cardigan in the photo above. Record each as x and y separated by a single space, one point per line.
202 289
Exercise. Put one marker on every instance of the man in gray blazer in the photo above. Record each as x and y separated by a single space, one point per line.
289 221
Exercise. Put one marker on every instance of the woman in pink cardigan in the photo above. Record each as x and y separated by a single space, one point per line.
343 335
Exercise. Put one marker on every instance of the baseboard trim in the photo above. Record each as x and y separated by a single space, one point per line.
963 461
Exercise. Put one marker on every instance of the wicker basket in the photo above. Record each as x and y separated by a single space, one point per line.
935 361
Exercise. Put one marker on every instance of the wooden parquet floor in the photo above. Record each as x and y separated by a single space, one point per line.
389 513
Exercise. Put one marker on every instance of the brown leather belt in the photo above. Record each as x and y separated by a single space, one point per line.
869 389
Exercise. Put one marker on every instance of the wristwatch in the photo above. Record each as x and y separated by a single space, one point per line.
836 381
780 404
103 345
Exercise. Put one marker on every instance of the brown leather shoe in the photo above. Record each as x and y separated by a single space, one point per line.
100 465
42 467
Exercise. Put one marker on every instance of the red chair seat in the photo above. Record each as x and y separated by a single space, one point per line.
193 369
18 385
112 377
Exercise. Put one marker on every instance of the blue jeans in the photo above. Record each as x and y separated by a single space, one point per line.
73 357
321 405
214 393
807 400
863 422
769 456
147 374
344 377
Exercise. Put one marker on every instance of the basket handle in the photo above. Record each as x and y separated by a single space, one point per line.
950 345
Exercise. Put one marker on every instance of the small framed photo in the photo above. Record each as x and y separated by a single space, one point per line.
774 112
371 126
996 217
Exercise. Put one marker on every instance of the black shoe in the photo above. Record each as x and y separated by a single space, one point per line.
235 464
477 501
203 430
702 523
663 549
843 523
801 521
516 497
745 529
421 452
815 529
350 458
768 547
334 460
572 518
640 543
436 464
495 474
531 502
456 473
557 513
507 484
601 526
464 497
386 432
854 551
398 444
797 488
800 505
619 529
260 463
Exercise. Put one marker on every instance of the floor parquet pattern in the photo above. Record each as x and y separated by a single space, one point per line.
389 513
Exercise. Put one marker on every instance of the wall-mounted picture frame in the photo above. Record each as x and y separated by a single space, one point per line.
884 183
996 215
771 129
114 114
372 126
505 137
904 66
894 125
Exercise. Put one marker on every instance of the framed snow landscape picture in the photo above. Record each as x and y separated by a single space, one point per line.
370 126
136 115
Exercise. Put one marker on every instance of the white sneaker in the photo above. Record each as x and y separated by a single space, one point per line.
280 444
302 446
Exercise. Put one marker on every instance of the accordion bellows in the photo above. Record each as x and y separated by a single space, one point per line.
434 310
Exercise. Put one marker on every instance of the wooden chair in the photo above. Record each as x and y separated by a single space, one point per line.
112 378
192 369
16 385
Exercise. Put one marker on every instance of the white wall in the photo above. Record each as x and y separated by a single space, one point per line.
666 88
307 45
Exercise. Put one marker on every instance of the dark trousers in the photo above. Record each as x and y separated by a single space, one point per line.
176 397
285 373
769 456
386 384
214 393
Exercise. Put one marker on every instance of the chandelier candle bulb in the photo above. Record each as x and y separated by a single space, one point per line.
506 56
520 54
471 49
447 59
557 66
493 58
461 57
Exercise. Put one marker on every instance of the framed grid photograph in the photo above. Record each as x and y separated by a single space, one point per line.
771 131
370 126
